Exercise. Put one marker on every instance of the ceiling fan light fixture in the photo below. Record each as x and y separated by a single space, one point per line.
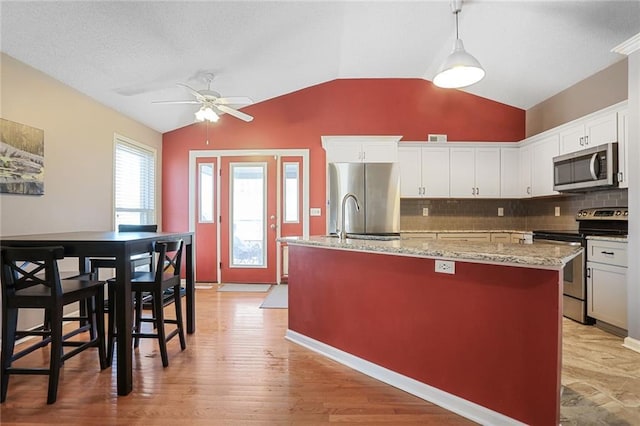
206 113
460 68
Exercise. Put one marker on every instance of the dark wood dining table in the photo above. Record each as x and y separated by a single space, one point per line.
121 246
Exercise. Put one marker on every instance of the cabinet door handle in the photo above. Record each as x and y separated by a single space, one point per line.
477 191
581 140
473 191
588 272
586 140
620 176
608 253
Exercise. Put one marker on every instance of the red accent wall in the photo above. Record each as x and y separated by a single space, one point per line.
490 334
412 108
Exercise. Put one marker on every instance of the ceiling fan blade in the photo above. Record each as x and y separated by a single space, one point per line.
234 100
176 102
235 113
193 91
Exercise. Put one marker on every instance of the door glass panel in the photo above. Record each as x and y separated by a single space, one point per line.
206 193
248 222
291 202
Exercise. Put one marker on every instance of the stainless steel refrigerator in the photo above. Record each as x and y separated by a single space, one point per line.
377 188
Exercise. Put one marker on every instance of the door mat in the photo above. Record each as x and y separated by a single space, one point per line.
247 288
278 298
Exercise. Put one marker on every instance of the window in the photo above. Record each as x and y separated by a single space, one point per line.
135 183
206 192
291 199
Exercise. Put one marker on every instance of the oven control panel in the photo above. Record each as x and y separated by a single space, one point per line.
603 213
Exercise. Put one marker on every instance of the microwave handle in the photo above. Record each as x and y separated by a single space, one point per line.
592 166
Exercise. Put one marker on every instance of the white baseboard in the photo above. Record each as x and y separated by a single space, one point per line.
631 343
455 404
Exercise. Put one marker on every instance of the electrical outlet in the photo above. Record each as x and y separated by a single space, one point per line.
445 266
557 211
500 211
425 211
315 211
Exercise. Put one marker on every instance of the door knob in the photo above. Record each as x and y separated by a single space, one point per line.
272 217
273 226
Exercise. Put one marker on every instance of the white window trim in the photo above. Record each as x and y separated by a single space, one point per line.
117 138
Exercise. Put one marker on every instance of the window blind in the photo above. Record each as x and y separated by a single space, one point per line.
134 184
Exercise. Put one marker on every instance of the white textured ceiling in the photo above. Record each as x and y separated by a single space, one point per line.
126 54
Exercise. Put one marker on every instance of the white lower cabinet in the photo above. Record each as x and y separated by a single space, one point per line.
607 282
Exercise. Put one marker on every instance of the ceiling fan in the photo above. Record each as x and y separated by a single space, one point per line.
212 104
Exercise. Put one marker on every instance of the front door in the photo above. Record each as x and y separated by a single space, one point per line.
248 219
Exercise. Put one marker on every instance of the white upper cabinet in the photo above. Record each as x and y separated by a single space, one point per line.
524 181
623 145
475 172
592 130
510 173
361 149
542 153
424 171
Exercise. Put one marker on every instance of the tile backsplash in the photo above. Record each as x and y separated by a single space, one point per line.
525 214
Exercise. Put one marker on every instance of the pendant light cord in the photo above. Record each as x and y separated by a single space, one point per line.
456 13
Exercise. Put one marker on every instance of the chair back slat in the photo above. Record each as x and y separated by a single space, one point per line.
24 267
137 228
169 257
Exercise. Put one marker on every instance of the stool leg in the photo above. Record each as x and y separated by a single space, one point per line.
98 320
138 315
177 300
55 362
9 327
111 331
159 320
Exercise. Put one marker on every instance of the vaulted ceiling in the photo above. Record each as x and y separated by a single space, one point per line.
127 54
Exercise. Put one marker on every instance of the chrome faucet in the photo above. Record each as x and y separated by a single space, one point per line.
342 233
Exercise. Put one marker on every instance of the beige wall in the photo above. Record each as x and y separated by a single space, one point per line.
78 145
78 141
602 89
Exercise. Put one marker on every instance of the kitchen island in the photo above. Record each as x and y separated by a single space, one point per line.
482 338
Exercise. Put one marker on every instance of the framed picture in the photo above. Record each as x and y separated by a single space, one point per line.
21 159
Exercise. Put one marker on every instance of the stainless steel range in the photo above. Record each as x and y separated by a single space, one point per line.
595 221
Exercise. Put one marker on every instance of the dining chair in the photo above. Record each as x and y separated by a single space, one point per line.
165 276
31 280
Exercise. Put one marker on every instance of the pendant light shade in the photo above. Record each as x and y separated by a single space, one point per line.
460 69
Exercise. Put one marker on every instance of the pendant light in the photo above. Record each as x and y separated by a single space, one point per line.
460 69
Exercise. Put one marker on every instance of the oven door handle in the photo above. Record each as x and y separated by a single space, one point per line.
566 243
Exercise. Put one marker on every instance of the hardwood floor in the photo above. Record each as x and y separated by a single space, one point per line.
237 369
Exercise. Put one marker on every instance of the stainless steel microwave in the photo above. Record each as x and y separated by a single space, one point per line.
588 169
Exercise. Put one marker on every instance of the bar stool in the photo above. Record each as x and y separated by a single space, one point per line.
31 279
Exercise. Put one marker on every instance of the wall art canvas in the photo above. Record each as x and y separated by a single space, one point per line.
21 159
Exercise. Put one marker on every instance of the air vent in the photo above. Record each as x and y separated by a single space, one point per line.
436 138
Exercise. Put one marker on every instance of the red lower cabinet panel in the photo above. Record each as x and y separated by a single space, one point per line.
489 334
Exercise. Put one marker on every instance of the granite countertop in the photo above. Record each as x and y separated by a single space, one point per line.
524 255
615 238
